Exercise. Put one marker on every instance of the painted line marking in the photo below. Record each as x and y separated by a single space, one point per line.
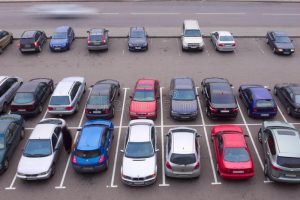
259 47
179 51
279 110
136 13
281 14
241 13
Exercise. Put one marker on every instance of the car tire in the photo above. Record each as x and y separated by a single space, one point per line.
275 91
1 50
248 112
76 108
40 108
5 108
274 50
266 168
218 169
6 164
68 46
11 40
40 49
216 48
208 113
259 136
52 169
22 135
288 110
113 112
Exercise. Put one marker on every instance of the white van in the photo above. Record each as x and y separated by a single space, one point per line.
191 36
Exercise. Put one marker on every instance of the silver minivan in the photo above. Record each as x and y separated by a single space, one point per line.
191 36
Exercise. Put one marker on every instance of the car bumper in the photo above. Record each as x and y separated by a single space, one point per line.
96 48
236 176
137 48
226 48
89 169
224 115
55 112
26 113
138 183
263 114
34 177
285 179
143 116
295 114
191 48
284 52
94 116
58 48
172 174
27 50
184 116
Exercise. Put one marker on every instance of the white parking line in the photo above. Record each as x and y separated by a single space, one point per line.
149 13
61 185
241 13
281 14
259 47
179 49
279 110
216 182
112 185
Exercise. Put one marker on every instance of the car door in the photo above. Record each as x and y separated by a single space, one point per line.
105 142
76 93
269 147
218 143
215 38
11 138
207 94
56 143
11 86
4 39
247 98
43 91
286 97
168 146
272 40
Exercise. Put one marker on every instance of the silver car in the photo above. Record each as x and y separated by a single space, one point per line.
8 89
66 96
182 153
223 41
139 167
41 150
281 146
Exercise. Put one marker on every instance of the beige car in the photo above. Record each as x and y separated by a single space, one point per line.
6 38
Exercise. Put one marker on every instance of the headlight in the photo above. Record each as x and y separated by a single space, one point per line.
280 50
21 174
132 113
151 113
194 113
46 172
292 50
173 112
185 44
130 44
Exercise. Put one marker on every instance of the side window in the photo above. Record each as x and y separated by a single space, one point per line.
127 135
249 95
169 143
207 89
196 145
217 35
54 141
2 90
271 144
153 137
10 82
10 132
75 90
57 131
220 143
37 36
104 138
40 90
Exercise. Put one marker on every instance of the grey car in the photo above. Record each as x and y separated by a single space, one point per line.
182 153
8 89
281 147
97 39
137 39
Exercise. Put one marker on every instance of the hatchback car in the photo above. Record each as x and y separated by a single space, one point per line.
8 88
101 102
11 132
233 156
219 98
223 41
92 148
191 36
280 42
66 96
137 39
281 147
184 105
31 96
41 151
289 96
182 153
6 38
258 100
97 39
62 38
32 41
139 166
144 101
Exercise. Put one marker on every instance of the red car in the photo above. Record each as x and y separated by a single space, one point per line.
144 101
234 160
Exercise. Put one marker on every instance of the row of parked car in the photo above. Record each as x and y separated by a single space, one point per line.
98 39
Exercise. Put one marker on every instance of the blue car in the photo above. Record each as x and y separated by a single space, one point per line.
92 147
62 38
258 101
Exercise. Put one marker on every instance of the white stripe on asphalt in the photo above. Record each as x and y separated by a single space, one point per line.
136 13
279 110
281 14
241 13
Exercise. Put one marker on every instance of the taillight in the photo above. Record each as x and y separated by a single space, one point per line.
50 108
36 44
254 109
276 168
101 160
74 160
221 45
168 165
13 108
89 40
214 110
249 170
69 108
234 44
106 111
31 107
87 111
235 110
103 39
229 171
197 166
275 109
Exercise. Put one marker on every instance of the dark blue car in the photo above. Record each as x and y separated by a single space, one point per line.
62 38
92 148
258 101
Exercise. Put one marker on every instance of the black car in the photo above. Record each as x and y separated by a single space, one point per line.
11 132
101 101
219 98
137 39
31 96
289 96
32 41
97 39
280 42
183 97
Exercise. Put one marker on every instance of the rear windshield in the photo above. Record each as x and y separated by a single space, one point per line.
236 155
226 38
88 154
265 104
98 100
27 40
60 35
59 100
288 162
23 97
183 159
95 37
192 33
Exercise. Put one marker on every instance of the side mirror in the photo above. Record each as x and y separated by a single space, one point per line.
292 40
79 129
168 134
156 150
56 149
130 97
122 150
198 135
92 86
246 135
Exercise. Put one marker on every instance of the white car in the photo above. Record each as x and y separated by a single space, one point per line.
223 41
139 167
41 150
191 36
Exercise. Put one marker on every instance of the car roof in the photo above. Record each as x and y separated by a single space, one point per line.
29 86
137 29
64 86
295 89
183 83
62 29
90 137
260 93
101 89
191 24
97 31
216 80
3 78
139 133
4 125
233 139
42 131
280 33
224 33
288 141
28 34
145 84
183 142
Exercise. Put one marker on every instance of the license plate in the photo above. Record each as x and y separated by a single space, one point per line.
224 111
60 108
27 45
137 47
21 110
291 175
264 115
238 171
57 48
97 112
139 183
88 168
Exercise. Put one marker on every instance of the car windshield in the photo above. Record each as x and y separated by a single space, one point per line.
137 34
236 155
192 33
98 100
139 150
226 38
265 103
95 37
183 159
27 40
23 97
2 140
288 162
222 97
282 39
186 95
59 100
87 154
2 34
297 99
144 95
38 148
59 35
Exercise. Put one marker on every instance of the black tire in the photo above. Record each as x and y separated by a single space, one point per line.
22 135
259 136
39 49
6 164
76 108
40 108
217 168
68 46
53 169
274 50
275 91
5 108
248 112
288 110
113 112
11 40
208 113
266 169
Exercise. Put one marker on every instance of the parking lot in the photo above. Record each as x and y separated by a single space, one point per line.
252 62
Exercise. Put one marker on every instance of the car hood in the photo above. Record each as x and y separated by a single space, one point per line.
184 106
137 41
58 41
139 167
2 152
193 40
28 165
284 45
142 106
238 165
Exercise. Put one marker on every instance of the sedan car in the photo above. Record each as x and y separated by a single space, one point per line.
91 150
139 165
182 153
233 156
184 105
258 100
41 151
289 96
32 41
223 41
6 38
97 39
144 101
11 132
101 102
280 42
31 96
219 98
8 87
281 149
62 38
137 39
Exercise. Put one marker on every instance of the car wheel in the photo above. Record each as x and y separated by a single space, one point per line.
76 108
208 113
218 169
274 50
259 136
288 109
6 164
275 91
40 49
248 112
11 40
266 168
5 108
22 135
40 108
119 93
113 112
68 46
216 48
53 169
1 50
